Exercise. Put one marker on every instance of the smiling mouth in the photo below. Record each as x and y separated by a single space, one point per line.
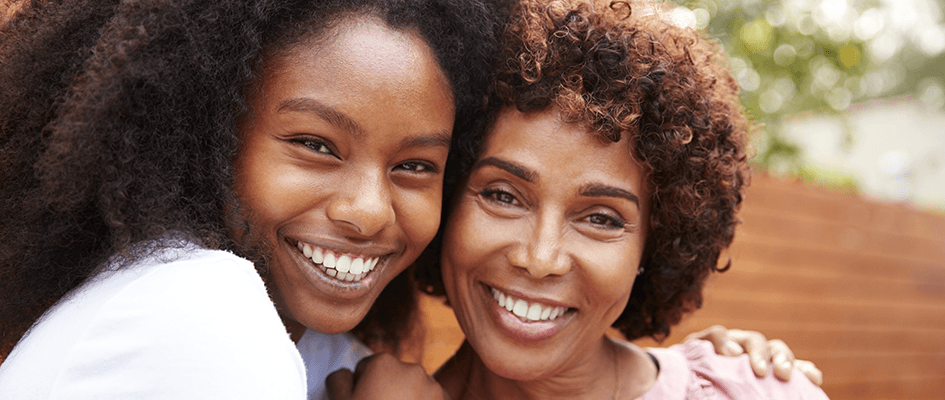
342 267
527 311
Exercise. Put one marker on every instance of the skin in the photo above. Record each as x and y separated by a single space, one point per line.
553 214
344 150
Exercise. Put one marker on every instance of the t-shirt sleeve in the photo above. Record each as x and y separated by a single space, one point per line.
720 377
202 328
324 354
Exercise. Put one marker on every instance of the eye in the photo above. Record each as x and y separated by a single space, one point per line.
606 221
418 167
319 145
499 196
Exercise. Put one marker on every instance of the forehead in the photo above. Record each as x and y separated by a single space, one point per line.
362 67
542 141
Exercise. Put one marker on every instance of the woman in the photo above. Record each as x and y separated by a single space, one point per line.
600 195
146 142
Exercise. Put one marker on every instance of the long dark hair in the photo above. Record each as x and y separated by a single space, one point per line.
118 124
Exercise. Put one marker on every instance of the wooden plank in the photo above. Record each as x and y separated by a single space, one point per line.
768 253
921 387
819 233
818 283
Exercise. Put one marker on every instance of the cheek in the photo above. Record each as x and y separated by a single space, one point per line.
611 272
420 215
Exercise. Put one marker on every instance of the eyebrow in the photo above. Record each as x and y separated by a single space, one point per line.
436 139
518 170
329 114
598 190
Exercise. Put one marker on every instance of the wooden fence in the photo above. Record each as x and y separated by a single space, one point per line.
854 285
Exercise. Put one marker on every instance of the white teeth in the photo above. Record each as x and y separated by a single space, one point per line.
534 312
342 267
527 311
520 308
307 250
343 264
357 266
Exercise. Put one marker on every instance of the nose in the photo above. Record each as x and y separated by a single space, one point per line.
365 205
540 253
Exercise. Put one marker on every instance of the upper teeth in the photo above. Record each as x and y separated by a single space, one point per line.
529 311
340 266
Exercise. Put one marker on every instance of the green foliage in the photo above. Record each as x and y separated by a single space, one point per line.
819 57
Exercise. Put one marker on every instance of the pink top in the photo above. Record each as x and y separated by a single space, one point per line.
693 371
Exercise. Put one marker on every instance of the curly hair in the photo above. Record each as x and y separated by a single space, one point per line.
118 124
621 68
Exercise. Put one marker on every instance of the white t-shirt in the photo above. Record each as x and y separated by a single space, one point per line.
324 354
186 323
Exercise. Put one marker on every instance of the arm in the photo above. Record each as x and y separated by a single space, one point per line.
383 376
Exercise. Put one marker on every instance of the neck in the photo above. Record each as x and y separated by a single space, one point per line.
465 376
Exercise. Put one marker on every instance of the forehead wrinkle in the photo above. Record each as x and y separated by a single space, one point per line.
325 112
600 190
513 168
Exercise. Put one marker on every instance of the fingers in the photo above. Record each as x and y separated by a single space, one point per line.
763 354
718 335
782 359
811 371
340 384
756 345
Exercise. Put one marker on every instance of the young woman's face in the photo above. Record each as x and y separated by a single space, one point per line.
340 173
543 244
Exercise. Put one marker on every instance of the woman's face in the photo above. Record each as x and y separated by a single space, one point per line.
340 171
543 244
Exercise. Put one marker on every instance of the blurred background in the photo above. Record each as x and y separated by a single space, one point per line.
842 248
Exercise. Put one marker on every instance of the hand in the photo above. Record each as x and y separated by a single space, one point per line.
761 352
382 376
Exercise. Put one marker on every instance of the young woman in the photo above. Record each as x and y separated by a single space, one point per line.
146 142
600 195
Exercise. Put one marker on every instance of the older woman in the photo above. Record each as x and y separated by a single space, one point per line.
600 195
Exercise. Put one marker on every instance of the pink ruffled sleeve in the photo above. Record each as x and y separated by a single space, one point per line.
693 371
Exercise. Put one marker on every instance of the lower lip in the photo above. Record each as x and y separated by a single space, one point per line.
338 288
513 326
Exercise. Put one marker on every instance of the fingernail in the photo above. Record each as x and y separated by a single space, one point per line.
762 365
779 359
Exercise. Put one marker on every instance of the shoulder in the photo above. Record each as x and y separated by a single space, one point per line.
182 323
712 376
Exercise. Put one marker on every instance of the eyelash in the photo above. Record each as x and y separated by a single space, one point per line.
492 193
318 145
415 167
610 221
323 147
